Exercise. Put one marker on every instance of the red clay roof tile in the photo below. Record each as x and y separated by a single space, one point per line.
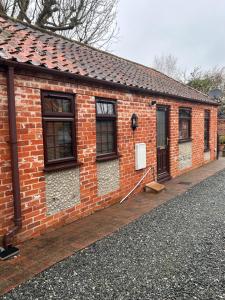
31 45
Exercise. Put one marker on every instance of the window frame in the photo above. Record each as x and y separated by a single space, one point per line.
114 117
207 117
189 110
67 162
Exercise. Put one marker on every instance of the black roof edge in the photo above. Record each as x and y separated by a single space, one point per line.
68 75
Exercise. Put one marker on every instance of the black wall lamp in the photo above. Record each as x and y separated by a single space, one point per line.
134 121
152 103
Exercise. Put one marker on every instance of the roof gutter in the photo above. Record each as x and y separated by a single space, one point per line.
9 250
99 81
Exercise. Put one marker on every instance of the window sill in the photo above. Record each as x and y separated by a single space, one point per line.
108 157
185 141
62 166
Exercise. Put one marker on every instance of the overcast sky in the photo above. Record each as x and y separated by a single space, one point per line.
191 30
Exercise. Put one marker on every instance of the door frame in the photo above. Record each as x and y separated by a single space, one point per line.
164 177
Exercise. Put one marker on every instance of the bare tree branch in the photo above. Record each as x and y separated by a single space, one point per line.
23 6
89 21
167 64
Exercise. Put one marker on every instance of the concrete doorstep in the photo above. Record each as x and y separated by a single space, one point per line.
40 253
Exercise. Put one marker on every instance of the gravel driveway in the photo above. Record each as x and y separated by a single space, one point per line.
176 251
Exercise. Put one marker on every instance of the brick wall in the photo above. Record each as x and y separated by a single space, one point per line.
36 218
221 127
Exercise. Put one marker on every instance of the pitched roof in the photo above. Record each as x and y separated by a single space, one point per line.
28 44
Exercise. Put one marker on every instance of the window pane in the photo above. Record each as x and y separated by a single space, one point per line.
68 150
63 133
99 148
51 153
206 130
184 129
104 108
66 105
184 124
104 148
105 136
59 139
53 104
50 128
207 114
50 141
161 128
58 153
110 145
110 138
110 126
185 113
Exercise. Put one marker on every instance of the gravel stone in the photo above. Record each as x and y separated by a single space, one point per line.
177 251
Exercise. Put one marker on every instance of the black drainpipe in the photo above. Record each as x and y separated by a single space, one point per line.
9 250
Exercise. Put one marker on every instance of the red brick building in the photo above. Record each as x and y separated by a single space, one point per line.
89 125
221 125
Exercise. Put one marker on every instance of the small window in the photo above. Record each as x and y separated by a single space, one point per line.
58 128
206 130
106 128
184 124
